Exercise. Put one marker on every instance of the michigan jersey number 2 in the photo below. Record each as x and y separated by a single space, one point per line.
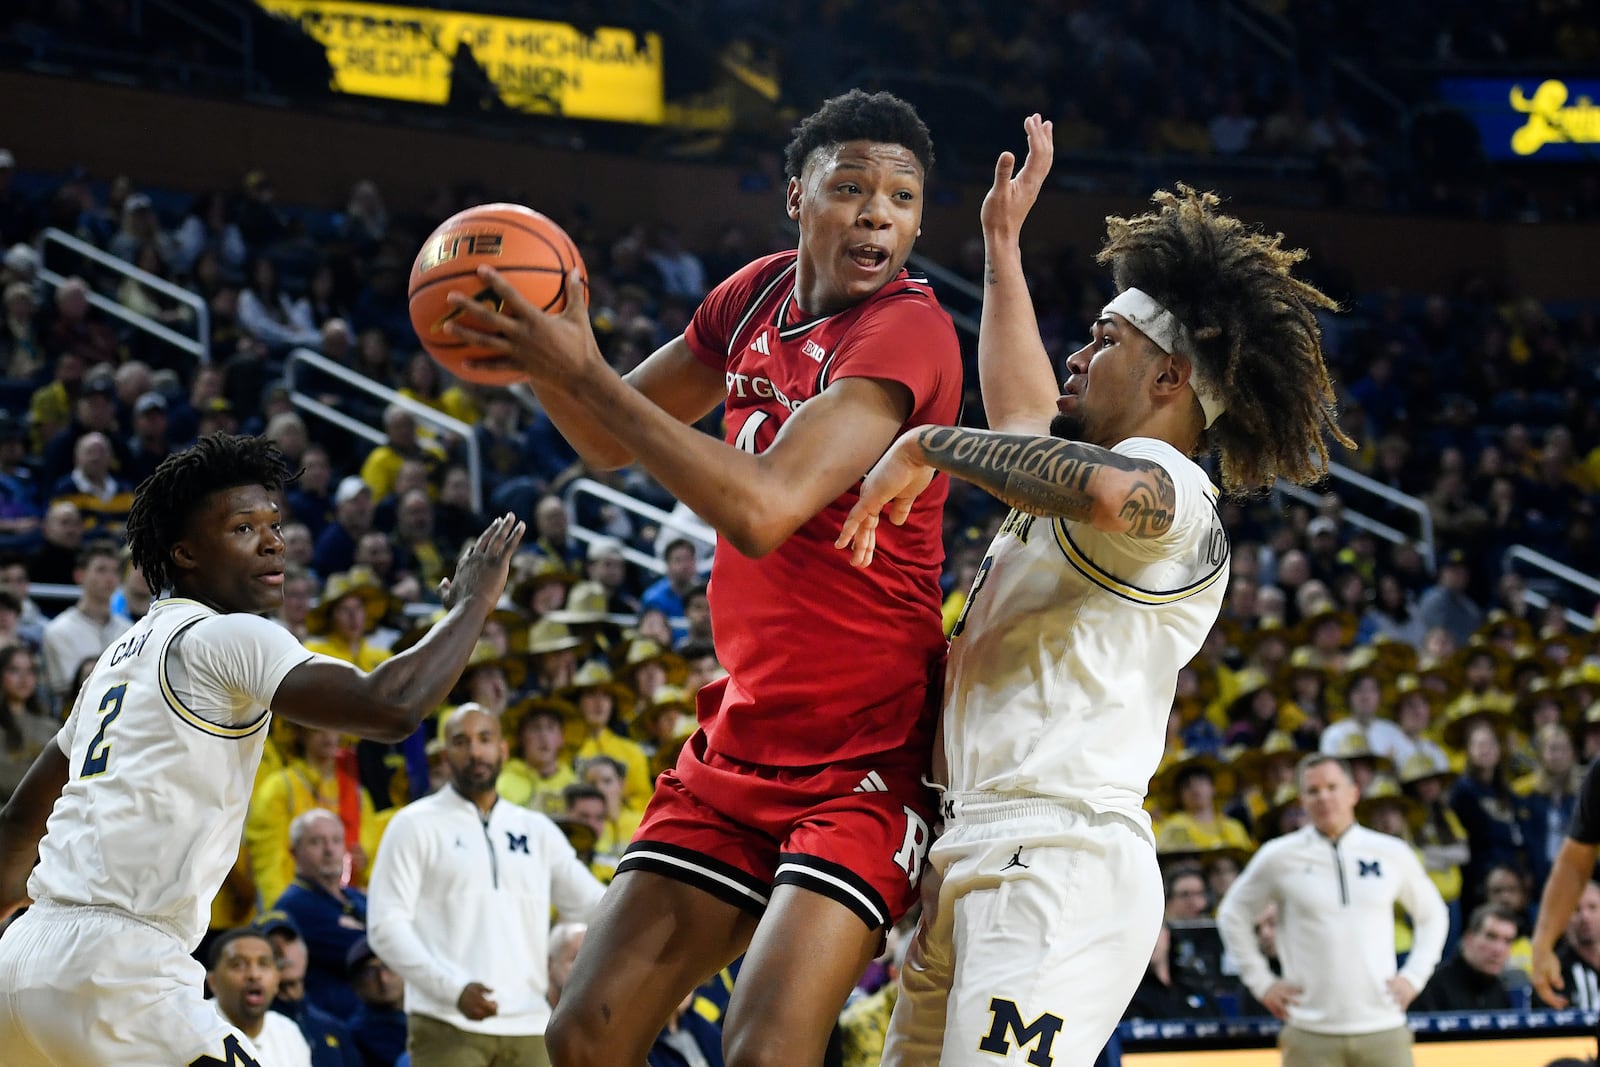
100 748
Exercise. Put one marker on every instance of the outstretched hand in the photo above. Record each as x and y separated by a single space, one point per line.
484 566
547 346
894 482
1012 196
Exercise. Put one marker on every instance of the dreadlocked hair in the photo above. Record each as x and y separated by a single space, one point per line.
1253 324
182 485
859 116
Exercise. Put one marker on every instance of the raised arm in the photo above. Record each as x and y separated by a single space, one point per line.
389 703
1019 386
1045 476
672 379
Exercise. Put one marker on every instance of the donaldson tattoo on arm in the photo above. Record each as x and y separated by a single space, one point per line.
1055 478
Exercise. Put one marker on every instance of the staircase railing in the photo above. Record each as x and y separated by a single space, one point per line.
198 346
645 510
1554 570
305 358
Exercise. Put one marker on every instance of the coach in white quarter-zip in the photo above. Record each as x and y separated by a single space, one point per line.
459 903
1336 885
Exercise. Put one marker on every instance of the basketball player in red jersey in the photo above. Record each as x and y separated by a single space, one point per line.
795 823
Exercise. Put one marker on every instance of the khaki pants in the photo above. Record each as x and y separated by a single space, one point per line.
438 1044
1386 1048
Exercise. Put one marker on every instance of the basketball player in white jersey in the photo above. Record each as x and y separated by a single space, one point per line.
1043 898
134 815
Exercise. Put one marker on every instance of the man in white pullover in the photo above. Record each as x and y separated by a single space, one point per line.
1336 885
459 903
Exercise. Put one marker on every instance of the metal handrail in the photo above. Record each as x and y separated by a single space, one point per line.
1354 518
1556 569
420 411
198 346
1425 542
644 509
600 491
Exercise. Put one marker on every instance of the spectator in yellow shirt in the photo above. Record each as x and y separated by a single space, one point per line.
663 725
351 606
382 465
596 731
605 774
1197 825
536 775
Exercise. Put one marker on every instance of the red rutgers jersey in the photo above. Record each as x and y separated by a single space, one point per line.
825 661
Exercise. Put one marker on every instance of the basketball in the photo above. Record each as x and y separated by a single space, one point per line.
527 248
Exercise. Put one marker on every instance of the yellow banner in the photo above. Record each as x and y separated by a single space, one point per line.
427 56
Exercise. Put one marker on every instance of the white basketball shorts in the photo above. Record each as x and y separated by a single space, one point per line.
1034 936
86 985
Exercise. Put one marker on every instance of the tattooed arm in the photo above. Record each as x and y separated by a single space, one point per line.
1044 476
1057 479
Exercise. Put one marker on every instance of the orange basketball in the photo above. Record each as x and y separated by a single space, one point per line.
528 249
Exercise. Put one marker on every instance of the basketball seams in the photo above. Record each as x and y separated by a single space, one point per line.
559 252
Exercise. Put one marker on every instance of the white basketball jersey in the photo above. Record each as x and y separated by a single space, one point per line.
1064 662
162 745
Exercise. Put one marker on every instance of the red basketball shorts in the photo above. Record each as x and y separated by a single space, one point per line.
856 832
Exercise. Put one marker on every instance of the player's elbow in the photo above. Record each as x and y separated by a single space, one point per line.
760 527
611 457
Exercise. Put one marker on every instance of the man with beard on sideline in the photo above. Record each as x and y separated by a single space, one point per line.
459 903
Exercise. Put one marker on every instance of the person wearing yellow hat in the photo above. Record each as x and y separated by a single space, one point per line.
540 584
1442 837
1308 708
648 665
536 775
601 702
662 725
1414 706
352 605
1197 824
1262 772
1386 809
341 624
553 653
1253 712
488 680
1363 696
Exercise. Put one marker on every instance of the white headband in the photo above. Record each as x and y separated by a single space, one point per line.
1169 335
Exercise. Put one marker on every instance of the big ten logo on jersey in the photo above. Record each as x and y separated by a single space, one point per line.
446 247
1006 1026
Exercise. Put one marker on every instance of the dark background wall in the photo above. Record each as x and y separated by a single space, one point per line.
191 143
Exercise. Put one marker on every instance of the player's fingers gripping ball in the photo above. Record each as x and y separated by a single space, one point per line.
526 248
